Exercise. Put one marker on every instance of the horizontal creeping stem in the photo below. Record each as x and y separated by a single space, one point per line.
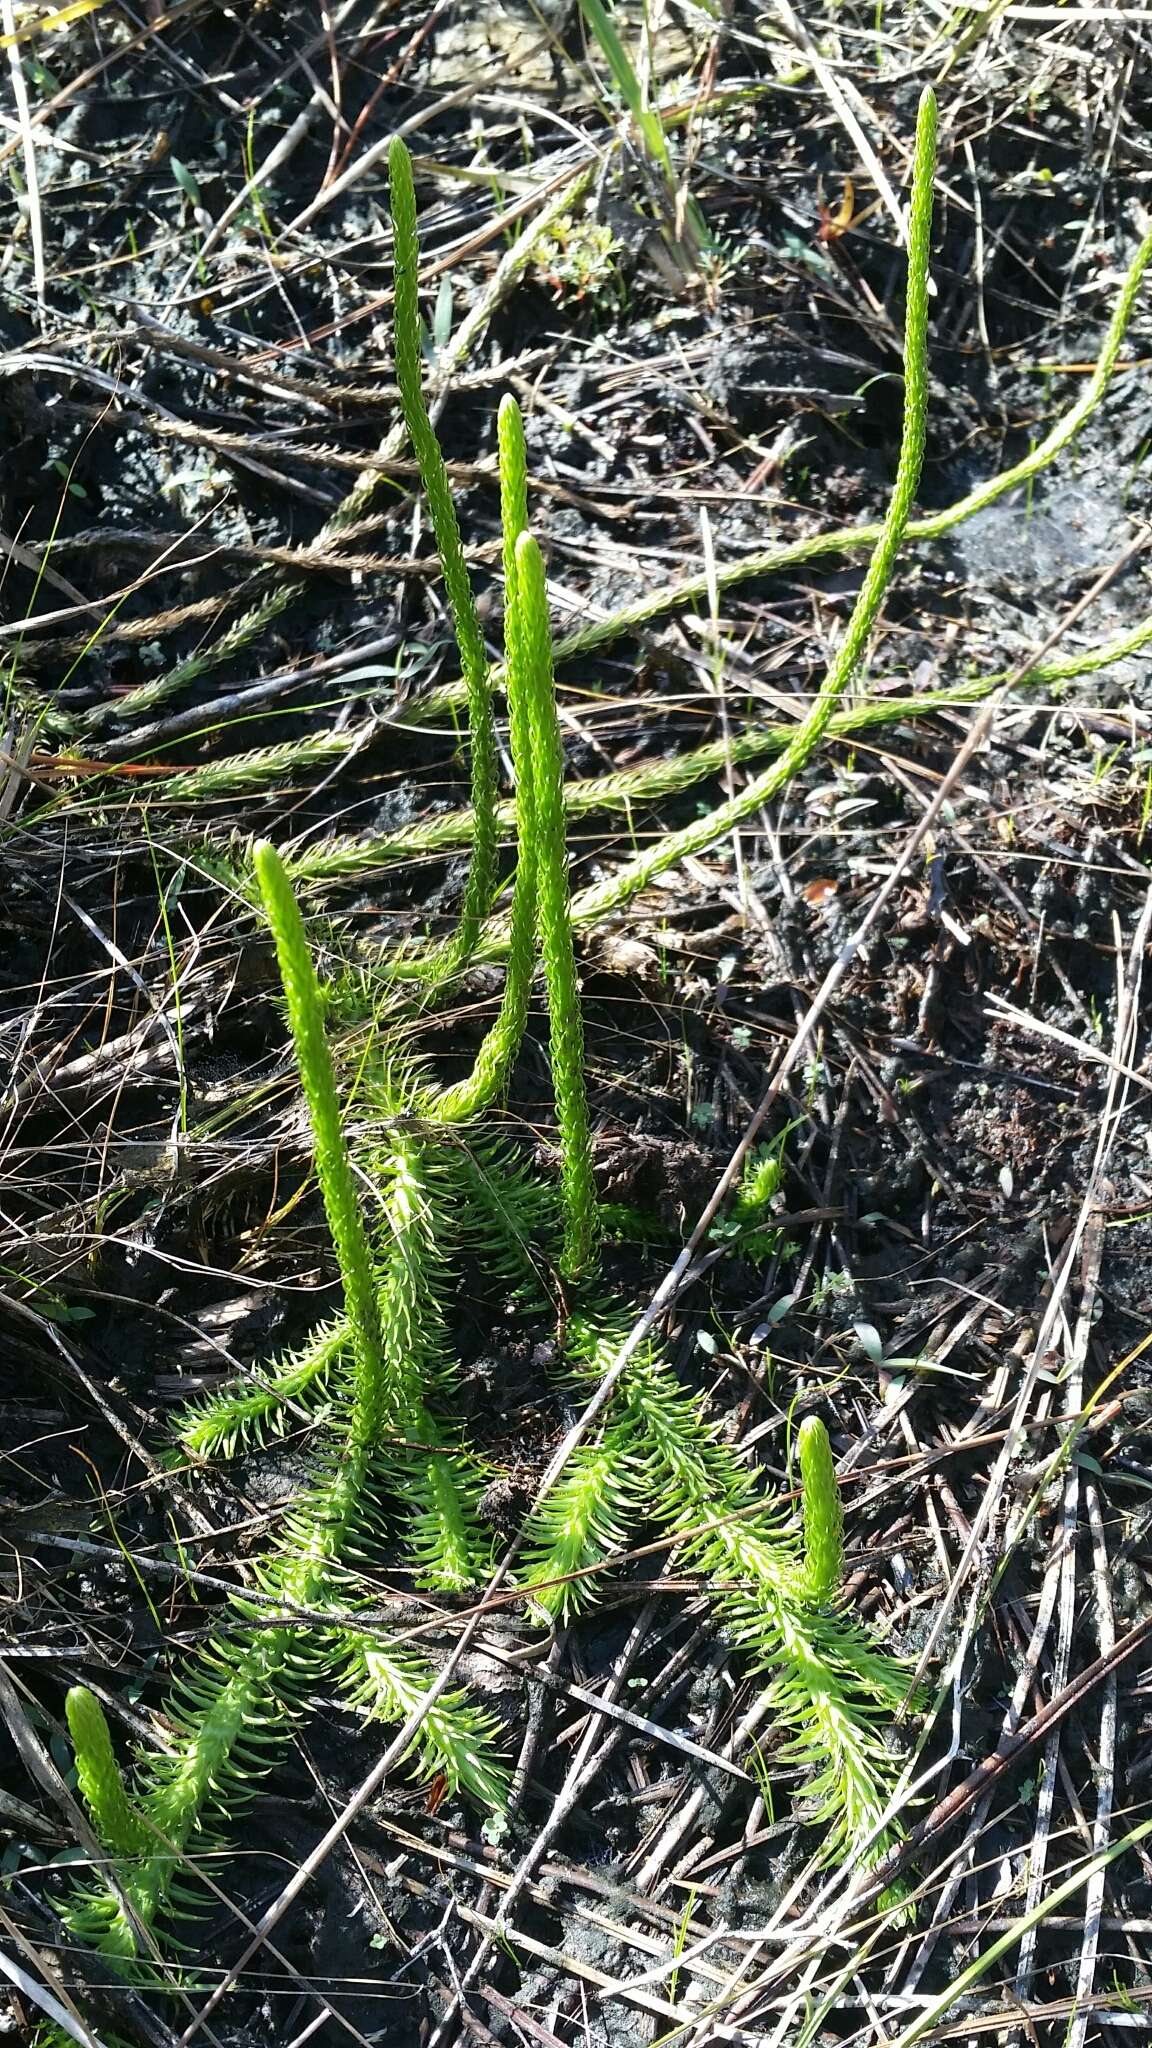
330 860
690 590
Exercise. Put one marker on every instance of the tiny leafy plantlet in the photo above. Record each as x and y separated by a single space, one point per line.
577 259
422 1186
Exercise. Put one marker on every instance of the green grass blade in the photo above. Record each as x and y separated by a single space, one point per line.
627 83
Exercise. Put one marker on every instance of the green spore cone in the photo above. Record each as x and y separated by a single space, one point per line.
101 1782
823 1514
565 1023
513 499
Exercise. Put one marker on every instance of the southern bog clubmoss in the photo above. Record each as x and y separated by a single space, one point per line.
415 1184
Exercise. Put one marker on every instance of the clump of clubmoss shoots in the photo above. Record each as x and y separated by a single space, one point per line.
426 1185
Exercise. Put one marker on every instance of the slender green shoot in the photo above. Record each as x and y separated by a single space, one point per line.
481 883
608 896
533 639
502 1042
314 1060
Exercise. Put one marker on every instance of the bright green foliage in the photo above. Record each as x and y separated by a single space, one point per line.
691 589
455 1740
232 1708
481 884
98 1775
439 1486
240 1416
508 1215
234 1704
518 658
823 1514
513 502
584 1521
834 1690
540 897
602 898
228 1710
830 1688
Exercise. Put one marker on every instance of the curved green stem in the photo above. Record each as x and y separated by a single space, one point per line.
335 859
618 888
481 884
695 589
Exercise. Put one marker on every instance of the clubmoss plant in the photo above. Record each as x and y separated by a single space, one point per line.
540 894
690 590
425 1186
604 898
565 1020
